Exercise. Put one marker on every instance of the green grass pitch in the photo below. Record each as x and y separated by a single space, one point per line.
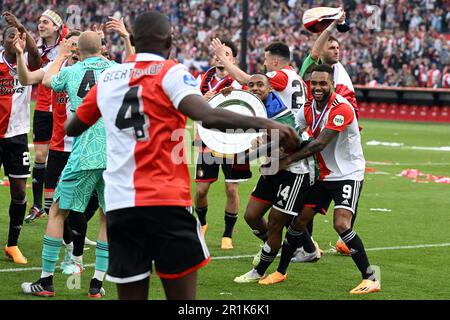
420 215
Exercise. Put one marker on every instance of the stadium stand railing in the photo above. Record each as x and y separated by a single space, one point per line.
404 103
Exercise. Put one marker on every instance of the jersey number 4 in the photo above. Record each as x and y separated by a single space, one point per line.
131 116
86 84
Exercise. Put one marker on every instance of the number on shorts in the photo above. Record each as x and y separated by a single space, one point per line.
131 117
284 193
26 158
347 189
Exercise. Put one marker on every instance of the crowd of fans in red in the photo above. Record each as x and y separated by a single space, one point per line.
408 48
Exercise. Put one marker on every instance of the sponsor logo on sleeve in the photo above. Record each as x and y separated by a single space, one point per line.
338 120
271 74
189 80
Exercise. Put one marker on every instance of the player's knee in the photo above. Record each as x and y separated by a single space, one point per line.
299 224
232 191
276 225
40 156
201 192
56 212
19 197
17 191
341 225
251 217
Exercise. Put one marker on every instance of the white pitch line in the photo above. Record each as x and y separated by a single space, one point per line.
420 246
403 164
36 268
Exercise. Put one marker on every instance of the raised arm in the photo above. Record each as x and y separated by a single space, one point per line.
323 38
63 53
26 77
34 59
239 75
119 26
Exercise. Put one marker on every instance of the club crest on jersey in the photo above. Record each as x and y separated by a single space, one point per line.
338 120
271 74
189 80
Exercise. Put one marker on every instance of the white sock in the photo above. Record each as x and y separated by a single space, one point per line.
78 260
99 275
45 274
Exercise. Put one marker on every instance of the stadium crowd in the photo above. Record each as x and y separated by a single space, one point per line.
408 48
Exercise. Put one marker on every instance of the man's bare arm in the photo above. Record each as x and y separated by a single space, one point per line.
26 77
312 147
63 53
239 75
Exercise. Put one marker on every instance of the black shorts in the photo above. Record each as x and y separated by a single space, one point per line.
42 127
345 194
207 169
285 191
56 162
15 156
169 236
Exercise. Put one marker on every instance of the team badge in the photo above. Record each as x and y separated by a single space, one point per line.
338 120
271 74
200 173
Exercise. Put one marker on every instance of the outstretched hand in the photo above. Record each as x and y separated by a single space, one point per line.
99 30
227 90
218 48
118 26
65 48
19 43
12 20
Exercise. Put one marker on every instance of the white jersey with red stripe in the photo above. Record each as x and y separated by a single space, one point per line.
138 101
344 86
342 158
61 111
289 86
14 101
216 81
44 100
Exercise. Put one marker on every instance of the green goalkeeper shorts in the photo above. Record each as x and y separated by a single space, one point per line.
74 189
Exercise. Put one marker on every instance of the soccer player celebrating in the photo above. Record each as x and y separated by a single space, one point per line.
333 124
51 31
14 127
213 81
83 173
147 187
283 78
282 193
60 148
326 50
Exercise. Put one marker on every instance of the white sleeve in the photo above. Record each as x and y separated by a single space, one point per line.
178 83
45 68
300 118
236 85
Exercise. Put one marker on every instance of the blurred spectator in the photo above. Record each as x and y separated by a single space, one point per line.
434 77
